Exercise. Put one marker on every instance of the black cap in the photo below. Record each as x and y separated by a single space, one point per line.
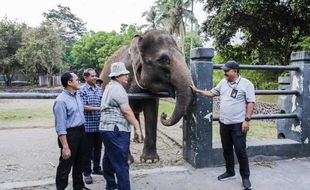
230 65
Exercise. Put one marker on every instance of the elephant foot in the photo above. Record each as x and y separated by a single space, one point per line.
130 159
149 157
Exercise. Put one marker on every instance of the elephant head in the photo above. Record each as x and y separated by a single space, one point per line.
159 66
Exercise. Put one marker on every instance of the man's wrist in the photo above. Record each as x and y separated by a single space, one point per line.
247 119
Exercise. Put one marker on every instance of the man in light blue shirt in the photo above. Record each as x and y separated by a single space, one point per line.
237 99
69 123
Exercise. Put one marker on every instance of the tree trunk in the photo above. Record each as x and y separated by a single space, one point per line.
191 37
8 79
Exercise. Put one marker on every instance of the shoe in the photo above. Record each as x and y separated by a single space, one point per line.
83 188
111 188
225 176
88 179
246 184
97 172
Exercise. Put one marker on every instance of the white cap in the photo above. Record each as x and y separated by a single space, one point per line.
118 69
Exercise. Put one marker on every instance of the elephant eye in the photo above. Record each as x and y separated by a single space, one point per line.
164 59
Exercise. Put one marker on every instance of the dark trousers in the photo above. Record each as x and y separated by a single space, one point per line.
232 137
76 140
94 146
115 159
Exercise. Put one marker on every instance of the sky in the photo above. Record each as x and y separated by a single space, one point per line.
99 15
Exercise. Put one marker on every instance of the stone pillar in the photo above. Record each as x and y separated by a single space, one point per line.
285 105
301 104
197 124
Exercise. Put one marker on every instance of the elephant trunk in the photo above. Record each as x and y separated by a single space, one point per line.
181 82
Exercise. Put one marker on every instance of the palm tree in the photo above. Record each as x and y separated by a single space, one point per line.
193 20
174 14
152 17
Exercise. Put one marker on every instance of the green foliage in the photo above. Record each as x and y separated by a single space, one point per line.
260 79
269 28
197 42
303 44
166 107
93 49
152 17
172 15
41 51
70 27
10 41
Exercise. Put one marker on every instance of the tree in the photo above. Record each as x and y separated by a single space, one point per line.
41 51
193 21
152 17
69 25
303 44
260 79
172 16
10 41
191 42
93 49
270 28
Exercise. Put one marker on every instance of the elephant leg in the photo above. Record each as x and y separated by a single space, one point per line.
150 111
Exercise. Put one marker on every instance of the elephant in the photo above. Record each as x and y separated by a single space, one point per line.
156 65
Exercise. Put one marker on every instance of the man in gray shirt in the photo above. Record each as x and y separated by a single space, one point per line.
237 100
115 127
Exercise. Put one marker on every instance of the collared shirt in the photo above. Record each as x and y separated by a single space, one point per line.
91 97
68 112
114 96
233 106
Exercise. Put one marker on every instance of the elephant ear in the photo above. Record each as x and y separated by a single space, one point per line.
135 54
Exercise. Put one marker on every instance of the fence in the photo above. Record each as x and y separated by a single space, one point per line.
198 149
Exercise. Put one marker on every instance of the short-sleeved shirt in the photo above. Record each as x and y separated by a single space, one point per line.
91 96
114 96
233 109
68 112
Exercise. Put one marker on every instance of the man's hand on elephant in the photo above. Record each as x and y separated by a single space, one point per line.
194 88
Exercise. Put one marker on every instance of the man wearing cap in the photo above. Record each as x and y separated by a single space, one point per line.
115 121
237 100
91 96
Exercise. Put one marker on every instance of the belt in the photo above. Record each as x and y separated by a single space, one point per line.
76 128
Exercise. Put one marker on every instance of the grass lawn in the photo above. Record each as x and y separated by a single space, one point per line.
38 113
259 130
18 113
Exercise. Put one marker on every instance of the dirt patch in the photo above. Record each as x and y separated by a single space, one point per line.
32 154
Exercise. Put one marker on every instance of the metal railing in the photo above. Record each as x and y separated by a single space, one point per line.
264 67
34 95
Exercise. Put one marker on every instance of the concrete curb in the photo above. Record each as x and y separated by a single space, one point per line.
50 181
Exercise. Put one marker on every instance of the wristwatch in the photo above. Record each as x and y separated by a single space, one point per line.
247 119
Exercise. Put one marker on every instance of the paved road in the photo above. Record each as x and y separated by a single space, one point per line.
28 158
